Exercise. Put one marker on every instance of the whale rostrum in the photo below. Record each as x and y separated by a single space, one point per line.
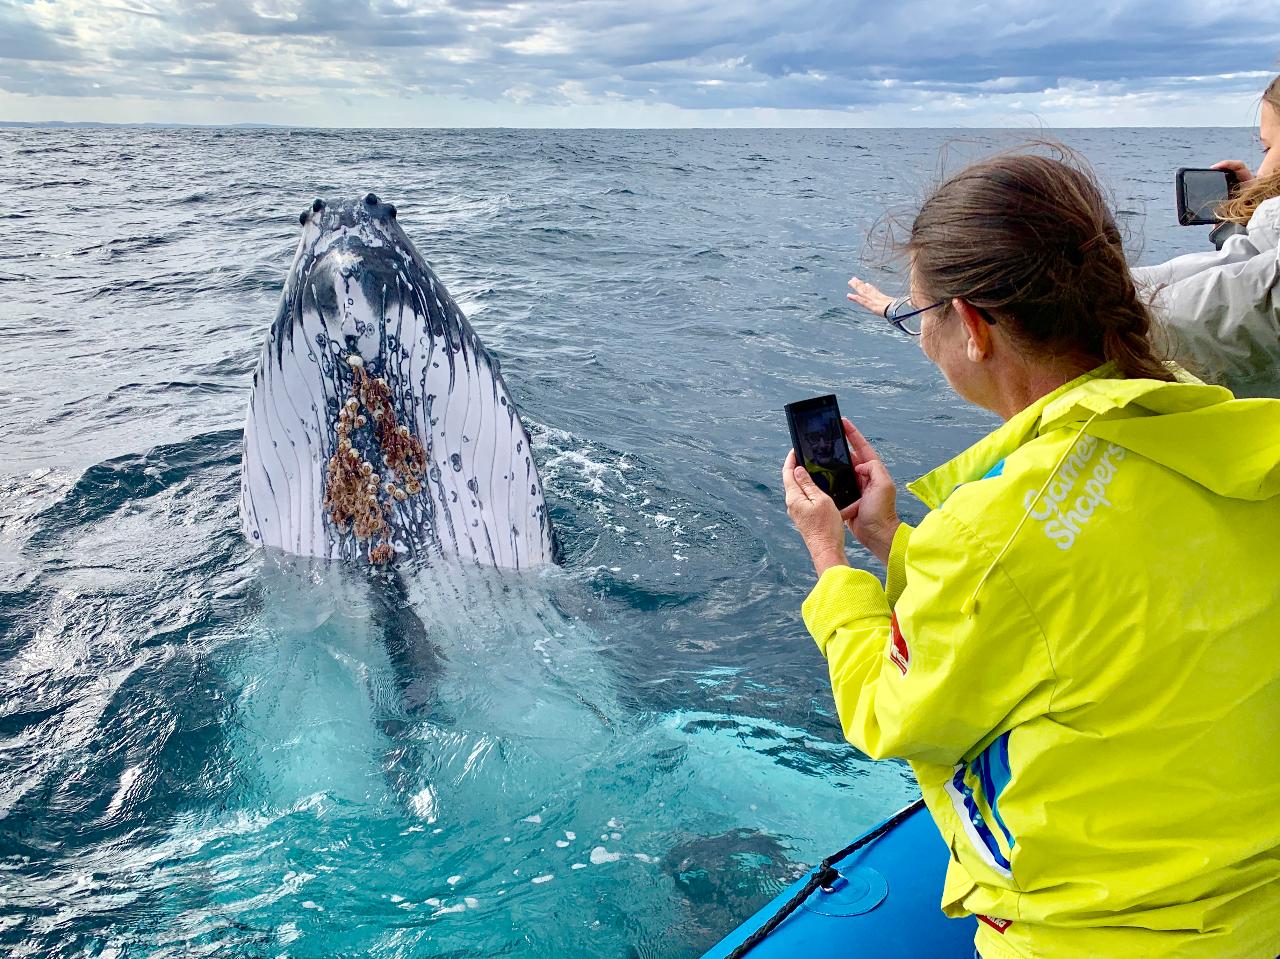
379 427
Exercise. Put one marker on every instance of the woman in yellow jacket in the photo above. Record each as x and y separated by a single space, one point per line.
1078 649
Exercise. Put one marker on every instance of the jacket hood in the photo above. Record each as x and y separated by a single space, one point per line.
1228 446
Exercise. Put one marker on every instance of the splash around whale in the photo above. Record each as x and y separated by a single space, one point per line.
379 427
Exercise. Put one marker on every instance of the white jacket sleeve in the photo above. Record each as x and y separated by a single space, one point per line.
1220 311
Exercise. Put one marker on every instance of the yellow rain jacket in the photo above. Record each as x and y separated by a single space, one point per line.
1079 652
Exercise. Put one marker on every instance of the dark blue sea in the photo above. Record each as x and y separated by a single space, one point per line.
207 751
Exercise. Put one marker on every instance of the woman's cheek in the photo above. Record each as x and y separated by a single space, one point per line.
929 340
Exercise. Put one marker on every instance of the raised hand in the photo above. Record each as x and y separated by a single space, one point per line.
868 296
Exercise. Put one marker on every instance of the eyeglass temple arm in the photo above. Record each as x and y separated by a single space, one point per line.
893 306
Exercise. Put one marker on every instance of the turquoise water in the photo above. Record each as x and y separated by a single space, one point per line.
206 750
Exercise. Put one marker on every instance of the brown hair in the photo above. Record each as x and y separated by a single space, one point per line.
1030 239
1241 206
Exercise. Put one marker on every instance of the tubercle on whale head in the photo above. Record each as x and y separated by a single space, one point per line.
317 206
379 210
347 213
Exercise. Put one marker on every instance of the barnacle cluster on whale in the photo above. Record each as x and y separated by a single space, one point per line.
357 495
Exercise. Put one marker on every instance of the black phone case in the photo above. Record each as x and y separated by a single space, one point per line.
1187 217
842 497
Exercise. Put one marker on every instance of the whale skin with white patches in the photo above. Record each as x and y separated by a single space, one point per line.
359 297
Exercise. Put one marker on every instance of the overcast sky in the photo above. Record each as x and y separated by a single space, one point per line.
639 62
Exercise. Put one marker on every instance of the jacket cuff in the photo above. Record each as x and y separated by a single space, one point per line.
895 580
843 596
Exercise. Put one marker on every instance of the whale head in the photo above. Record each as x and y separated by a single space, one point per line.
379 426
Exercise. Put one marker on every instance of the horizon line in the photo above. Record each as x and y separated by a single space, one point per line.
255 125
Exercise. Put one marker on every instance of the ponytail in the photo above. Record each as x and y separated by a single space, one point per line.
1126 342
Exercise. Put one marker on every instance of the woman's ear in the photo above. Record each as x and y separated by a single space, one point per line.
980 343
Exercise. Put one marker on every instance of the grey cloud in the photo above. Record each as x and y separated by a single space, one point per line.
856 46
37 79
785 54
351 22
21 39
171 54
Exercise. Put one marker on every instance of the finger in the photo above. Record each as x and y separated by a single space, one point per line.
863 451
865 293
1238 167
874 475
850 513
868 295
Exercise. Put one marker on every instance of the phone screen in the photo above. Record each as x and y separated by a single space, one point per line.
818 437
1201 193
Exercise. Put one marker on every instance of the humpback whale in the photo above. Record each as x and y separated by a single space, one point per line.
379 427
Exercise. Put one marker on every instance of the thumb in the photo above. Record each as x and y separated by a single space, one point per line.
873 474
803 480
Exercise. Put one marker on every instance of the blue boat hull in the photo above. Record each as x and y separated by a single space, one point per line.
887 905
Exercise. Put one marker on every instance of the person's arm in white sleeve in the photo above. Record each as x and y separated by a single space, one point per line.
1220 311
1223 322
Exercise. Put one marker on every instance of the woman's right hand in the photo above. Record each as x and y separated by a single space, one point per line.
873 519
1237 167
867 296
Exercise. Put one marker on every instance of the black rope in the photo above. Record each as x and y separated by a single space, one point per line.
824 875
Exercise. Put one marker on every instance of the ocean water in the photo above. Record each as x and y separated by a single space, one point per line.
207 750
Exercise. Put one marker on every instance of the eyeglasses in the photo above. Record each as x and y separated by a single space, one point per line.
905 315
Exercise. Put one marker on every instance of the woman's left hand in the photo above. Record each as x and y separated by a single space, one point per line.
1237 168
868 296
815 515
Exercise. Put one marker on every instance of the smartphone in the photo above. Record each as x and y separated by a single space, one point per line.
1199 193
818 439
